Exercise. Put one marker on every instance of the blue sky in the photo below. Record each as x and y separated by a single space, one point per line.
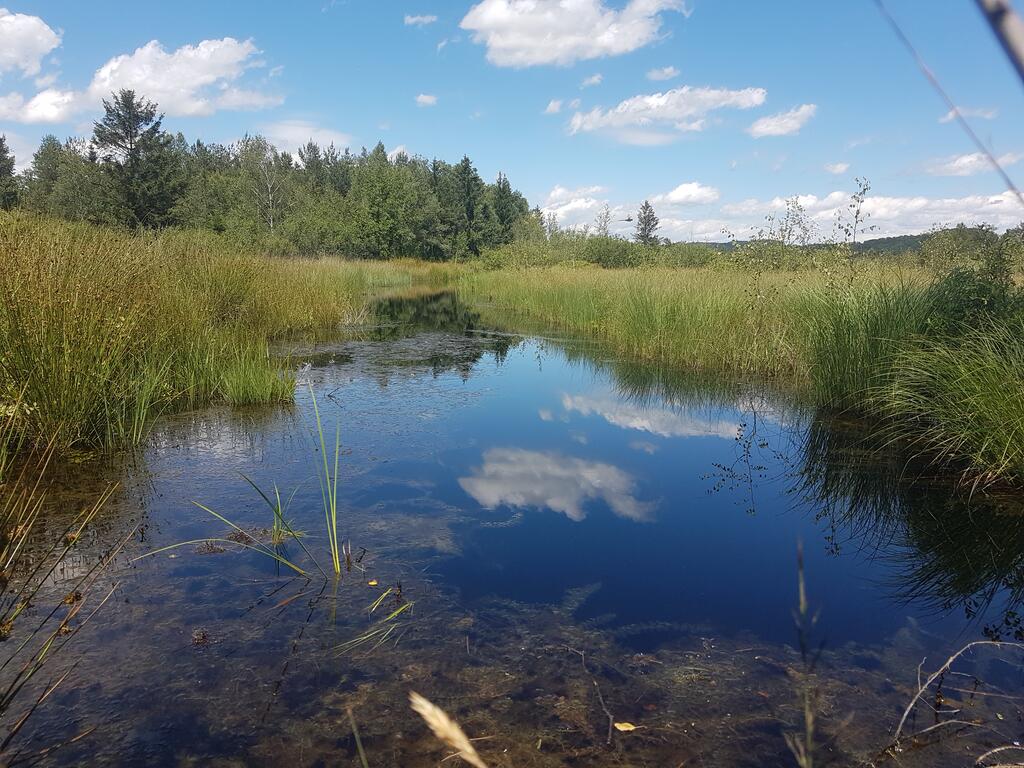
714 109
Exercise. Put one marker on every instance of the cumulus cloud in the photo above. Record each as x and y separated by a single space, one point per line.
969 164
522 478
289 135
659 118
837 168
594 79
984 113
419 21
688 193
664 73
192 80
24 42
662 422
554 107
784 123
426 100
573 207
527 33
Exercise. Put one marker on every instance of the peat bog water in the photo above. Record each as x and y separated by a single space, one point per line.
567 536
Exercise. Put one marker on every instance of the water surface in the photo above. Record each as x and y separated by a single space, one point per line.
566 535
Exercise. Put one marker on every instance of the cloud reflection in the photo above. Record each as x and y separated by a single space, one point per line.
521 478
657 421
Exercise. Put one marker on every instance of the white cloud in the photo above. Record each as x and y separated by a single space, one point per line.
689 193
594 79
527 33
521 478
664 73
970 164
837 168
662 422
419 21
24 42
243 99
573 207
560 194
289 135
401 149
192 80
575 104
891 215
554 107
784 123
985 113
426 100
658 118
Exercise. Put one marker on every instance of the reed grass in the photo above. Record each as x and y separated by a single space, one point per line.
102 330
853 339
32 639
719 321
961 401
329 487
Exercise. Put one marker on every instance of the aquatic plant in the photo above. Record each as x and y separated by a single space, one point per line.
240 538
281 530
33 640
329 486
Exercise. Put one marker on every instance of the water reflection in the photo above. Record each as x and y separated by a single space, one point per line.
521 478
663 422
951 549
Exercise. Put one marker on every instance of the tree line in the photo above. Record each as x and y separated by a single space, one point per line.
133 173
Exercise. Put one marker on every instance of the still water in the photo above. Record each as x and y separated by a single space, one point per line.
560 538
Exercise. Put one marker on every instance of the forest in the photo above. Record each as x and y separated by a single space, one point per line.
132 173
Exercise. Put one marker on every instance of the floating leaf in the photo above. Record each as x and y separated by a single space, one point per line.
372 582
627 727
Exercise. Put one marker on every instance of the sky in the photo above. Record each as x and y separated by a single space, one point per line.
714 110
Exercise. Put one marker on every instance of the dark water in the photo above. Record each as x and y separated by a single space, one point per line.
567 536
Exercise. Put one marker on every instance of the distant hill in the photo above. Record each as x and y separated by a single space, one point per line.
896 244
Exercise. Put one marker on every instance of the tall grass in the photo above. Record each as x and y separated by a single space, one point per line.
726 320
102 330
852 338
961 401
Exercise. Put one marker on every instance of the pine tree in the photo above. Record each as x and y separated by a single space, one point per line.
140 158
8 181
646 225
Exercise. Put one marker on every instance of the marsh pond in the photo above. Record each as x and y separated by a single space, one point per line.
584 561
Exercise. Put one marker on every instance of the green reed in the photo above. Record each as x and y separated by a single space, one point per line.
103 330
329 486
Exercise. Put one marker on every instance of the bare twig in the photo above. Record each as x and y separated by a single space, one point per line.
939 673
953 110
1009 30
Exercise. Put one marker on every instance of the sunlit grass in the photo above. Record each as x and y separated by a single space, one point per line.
102 330
961 401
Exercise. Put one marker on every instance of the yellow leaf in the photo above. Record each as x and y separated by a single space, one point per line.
372 582
625 727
